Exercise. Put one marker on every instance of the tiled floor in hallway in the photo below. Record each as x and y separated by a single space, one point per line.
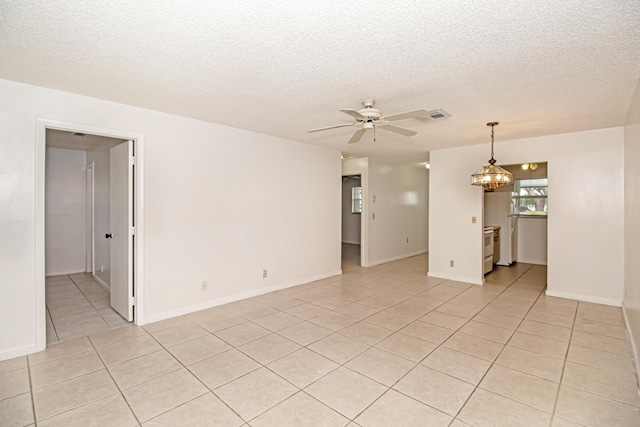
78 306
380 346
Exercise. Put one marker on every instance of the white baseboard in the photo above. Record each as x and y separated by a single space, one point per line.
63 273
455 278
586 298
395 258
102 283
634 346
156 317
532 261
16 352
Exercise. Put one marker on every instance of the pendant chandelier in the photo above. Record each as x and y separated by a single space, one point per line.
492 177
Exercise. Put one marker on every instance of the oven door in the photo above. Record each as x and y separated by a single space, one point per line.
488 243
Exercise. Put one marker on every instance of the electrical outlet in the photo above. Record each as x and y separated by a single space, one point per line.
473 220
101 268
205 285
451 263
264 274
407 240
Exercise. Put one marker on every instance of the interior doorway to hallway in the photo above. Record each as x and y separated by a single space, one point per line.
77 272
78 213
352 203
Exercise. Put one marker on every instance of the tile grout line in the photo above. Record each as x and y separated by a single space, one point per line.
53 325
33 400
564 363
114 381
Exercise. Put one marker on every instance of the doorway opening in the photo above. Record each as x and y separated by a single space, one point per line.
76 266
515 217
352 203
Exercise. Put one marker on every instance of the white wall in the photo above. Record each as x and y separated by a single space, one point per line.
532 240
399 199
350 221
220 205
453 201
632 225
586 205
101 214
65 207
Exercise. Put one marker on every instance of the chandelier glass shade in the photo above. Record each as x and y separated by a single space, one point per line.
492 177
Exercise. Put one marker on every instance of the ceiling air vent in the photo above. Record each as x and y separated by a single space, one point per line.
437 114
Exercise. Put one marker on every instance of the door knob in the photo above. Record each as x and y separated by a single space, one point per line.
108 236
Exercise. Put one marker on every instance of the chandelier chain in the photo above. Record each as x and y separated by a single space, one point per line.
492 141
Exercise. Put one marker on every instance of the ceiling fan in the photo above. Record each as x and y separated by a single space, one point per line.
371 118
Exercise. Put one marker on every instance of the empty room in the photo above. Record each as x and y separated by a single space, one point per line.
279 213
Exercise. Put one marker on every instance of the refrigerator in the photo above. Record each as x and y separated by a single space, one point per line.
498 211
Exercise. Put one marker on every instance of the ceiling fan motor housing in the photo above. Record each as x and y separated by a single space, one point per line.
371 114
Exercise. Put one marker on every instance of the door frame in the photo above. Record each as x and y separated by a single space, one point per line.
138 262
90 218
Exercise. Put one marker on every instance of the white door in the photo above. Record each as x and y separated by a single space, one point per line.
121 233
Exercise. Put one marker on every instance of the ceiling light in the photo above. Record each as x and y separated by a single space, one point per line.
492 177
530 166
344 156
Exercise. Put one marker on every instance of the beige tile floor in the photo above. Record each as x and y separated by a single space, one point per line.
78 306
381 346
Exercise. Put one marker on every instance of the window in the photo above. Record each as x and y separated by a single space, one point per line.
530 197
356 200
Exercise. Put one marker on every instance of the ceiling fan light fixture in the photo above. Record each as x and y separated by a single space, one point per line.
372 118
492 177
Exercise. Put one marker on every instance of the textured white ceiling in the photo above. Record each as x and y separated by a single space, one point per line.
283 67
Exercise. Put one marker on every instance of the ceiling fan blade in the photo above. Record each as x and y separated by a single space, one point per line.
331 127
353 113
401 131
357 136
406 115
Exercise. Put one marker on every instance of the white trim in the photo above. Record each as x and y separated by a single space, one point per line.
65 273
17 352
39 218
395 258
586 298
634 346
455 278
232 298
40 152
101 283
91 263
